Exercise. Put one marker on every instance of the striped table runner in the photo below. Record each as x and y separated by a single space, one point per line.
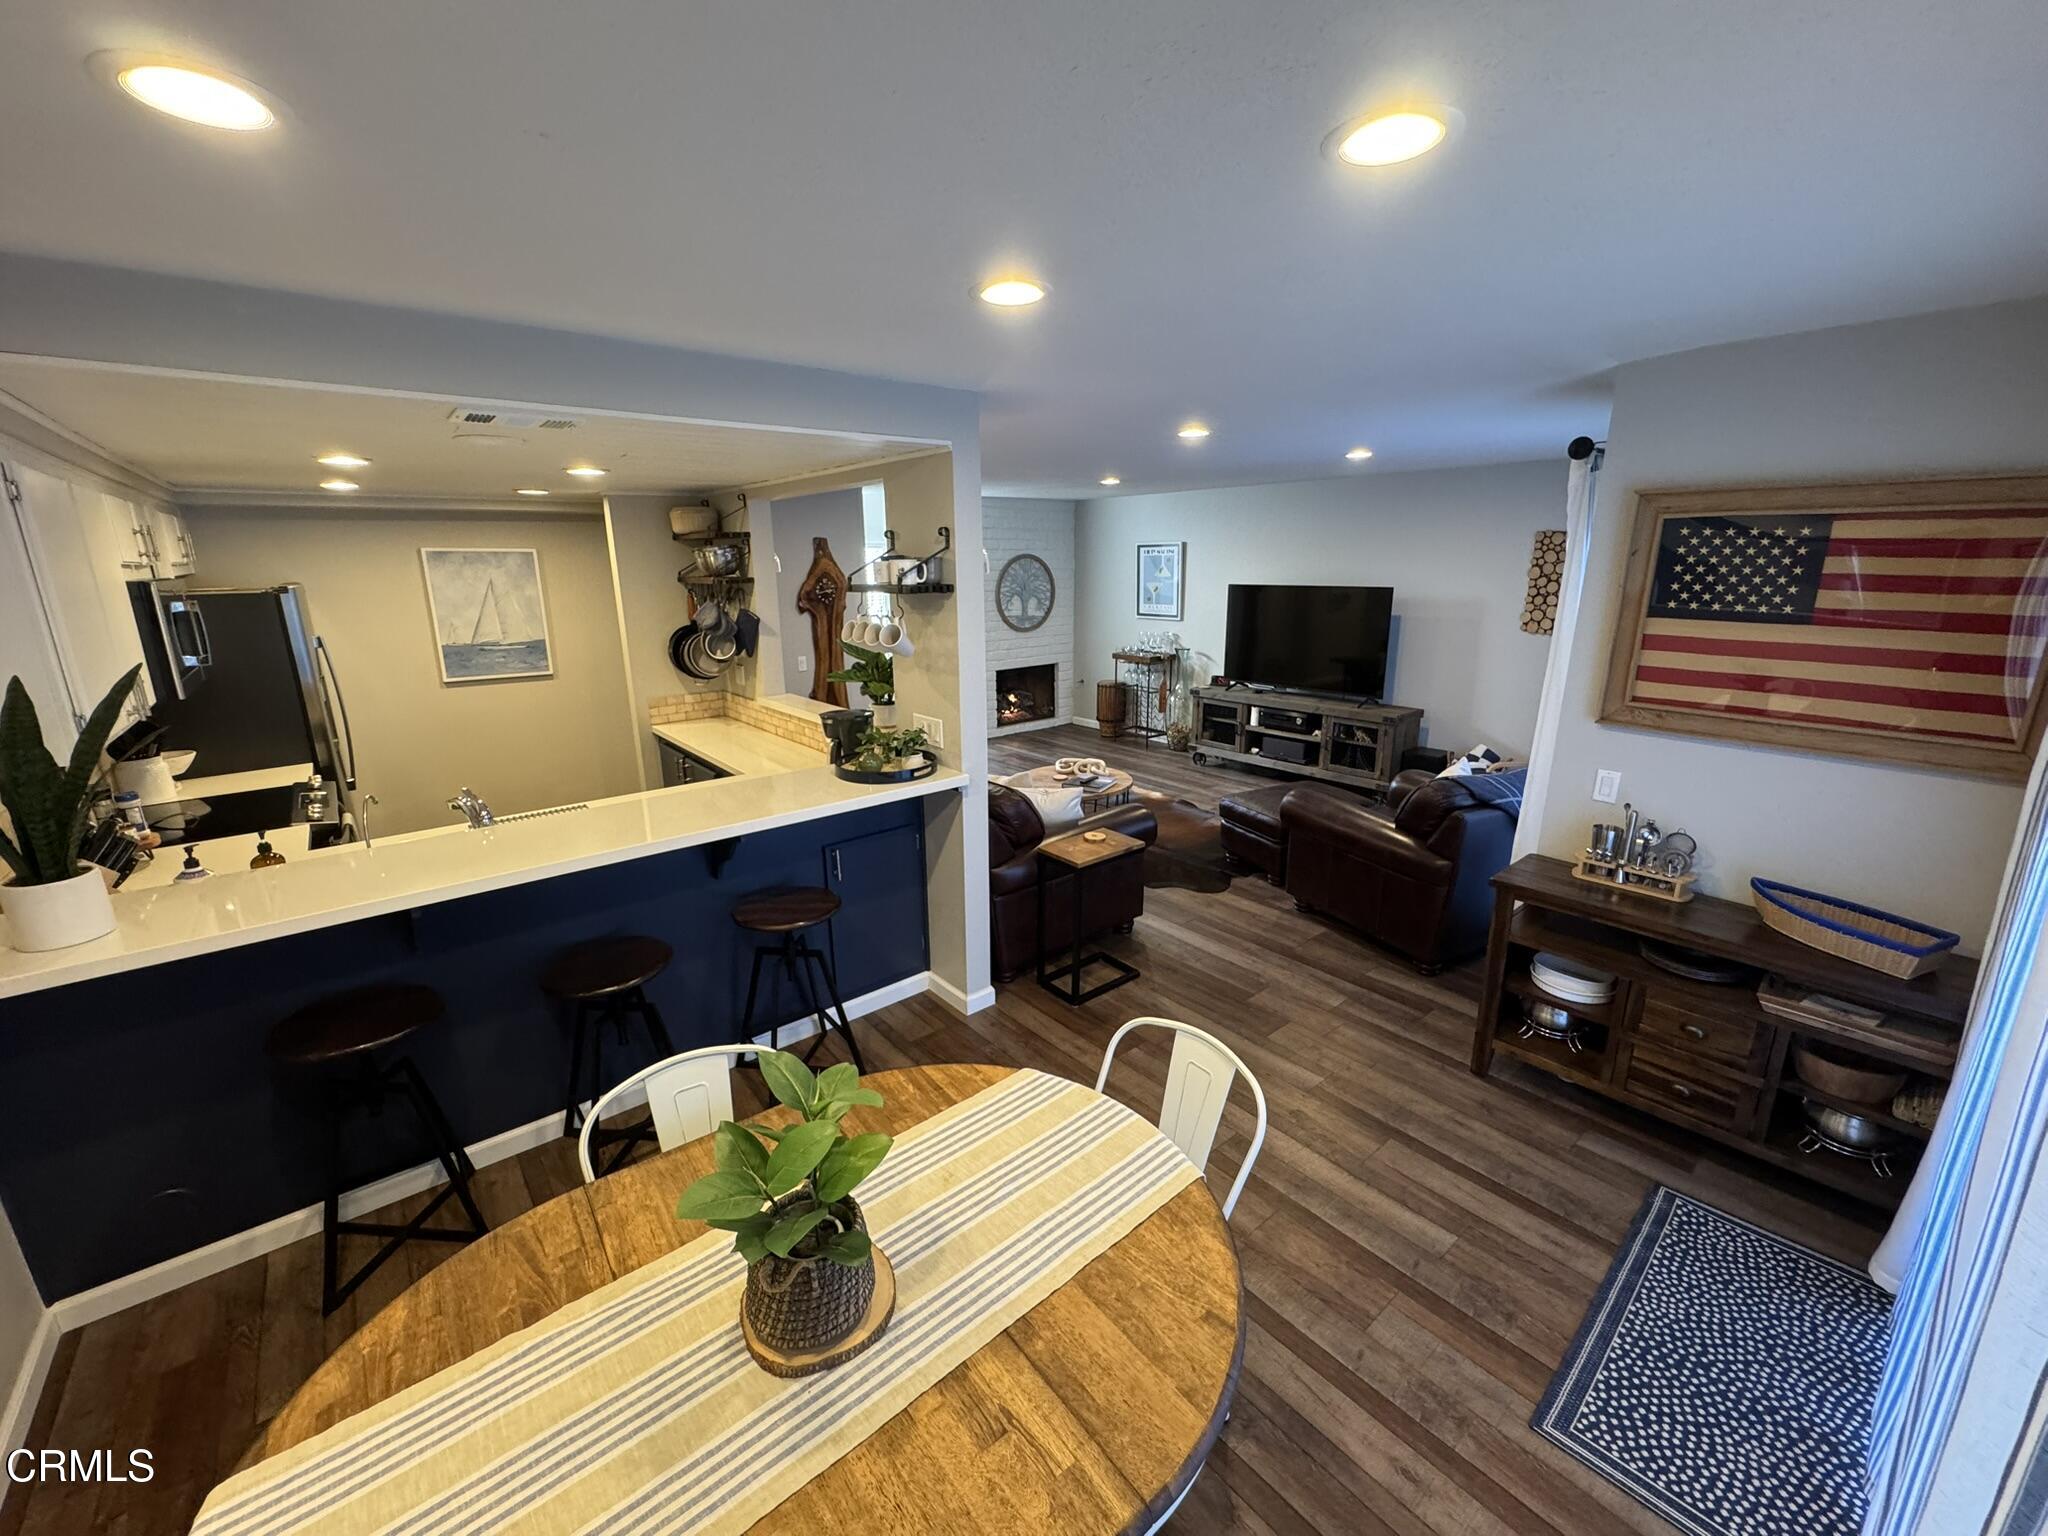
637 1409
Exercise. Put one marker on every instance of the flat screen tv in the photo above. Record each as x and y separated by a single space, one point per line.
1311 639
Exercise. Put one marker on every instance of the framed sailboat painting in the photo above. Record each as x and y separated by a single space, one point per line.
490 622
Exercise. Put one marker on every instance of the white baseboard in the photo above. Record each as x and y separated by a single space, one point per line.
958 1000
16 1417
159 1279
1093 725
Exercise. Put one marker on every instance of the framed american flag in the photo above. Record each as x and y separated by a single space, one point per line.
1904 622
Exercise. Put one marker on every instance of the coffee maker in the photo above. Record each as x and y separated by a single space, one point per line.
844 729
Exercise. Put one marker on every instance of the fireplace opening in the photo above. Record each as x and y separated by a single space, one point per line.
1025 693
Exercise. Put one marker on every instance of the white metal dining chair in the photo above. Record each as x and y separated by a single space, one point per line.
1198 1081
688 1094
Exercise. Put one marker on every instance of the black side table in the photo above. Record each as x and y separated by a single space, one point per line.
1081 852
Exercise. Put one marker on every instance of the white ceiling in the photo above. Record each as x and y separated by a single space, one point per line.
200 434
822 183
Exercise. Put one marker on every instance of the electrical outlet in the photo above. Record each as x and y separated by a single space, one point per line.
803 663
1607 785
934 729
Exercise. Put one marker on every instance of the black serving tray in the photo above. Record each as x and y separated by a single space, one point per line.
896 776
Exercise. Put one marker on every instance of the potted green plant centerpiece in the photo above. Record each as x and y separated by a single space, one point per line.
818 1290
52 900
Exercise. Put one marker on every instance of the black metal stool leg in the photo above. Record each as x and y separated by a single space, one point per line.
753 993
827 1022
454 1157
663 1046
330 1206
569 1100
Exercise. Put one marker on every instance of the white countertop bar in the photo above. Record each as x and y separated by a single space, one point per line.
352 882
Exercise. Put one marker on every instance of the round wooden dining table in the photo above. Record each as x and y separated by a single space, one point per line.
1093 1412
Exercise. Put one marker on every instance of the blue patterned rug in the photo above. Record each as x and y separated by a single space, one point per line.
1724 1377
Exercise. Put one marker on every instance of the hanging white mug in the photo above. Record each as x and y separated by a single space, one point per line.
849 632
887 634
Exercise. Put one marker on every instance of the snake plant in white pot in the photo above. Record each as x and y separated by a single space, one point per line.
50 898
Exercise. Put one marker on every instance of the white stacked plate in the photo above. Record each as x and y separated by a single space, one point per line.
1569 980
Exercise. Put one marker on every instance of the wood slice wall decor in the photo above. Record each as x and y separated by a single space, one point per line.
822 596
1546 575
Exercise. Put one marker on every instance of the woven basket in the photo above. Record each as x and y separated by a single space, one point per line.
797 1305
1883 941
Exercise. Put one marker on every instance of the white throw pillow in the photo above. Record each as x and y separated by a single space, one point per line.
1059 809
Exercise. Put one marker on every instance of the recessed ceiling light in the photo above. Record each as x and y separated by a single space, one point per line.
529 490
1012 292
1110 480
343 461
584 471
1388 138
196 95
339 485
1359 455
1192 432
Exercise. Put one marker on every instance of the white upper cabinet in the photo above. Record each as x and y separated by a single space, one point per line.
120 535
170 542
83 589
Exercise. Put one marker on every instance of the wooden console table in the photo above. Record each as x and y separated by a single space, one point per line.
1702 1055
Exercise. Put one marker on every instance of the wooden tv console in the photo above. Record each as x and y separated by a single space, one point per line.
1343 741
1703 1055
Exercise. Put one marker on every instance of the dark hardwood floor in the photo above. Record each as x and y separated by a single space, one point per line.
1418 1244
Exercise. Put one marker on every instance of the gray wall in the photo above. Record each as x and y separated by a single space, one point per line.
831 515
521 744
1961 393
1453 544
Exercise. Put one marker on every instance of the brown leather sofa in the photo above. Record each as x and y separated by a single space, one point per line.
1113 897
1415 875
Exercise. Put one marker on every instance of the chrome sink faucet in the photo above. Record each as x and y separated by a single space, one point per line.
474 810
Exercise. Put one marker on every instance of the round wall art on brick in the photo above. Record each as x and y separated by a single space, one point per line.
1024 592
1546 573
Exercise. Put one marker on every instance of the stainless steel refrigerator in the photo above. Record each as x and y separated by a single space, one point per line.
265 696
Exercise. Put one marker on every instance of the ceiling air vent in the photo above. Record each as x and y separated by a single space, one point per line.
485 416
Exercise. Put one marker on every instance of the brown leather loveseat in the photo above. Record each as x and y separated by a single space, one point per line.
1113 897
1414 875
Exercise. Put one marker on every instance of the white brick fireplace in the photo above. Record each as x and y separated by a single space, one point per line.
1013 526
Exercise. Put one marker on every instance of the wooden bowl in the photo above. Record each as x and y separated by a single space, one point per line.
1844 1074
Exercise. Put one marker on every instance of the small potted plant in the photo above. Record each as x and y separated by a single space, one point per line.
52 900
883 750
786 1195
873 671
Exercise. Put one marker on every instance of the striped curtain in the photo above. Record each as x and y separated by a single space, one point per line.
1947 1253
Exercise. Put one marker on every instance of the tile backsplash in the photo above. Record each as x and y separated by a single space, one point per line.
795 721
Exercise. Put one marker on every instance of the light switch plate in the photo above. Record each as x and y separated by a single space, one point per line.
1607 785
934 730
803 663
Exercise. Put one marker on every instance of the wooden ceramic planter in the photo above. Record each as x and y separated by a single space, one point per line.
805 1315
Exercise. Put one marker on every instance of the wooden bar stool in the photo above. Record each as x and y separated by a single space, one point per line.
604 982
339 1040
789 915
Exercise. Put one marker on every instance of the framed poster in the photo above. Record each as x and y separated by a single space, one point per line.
1160 574
490 622
1904 622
